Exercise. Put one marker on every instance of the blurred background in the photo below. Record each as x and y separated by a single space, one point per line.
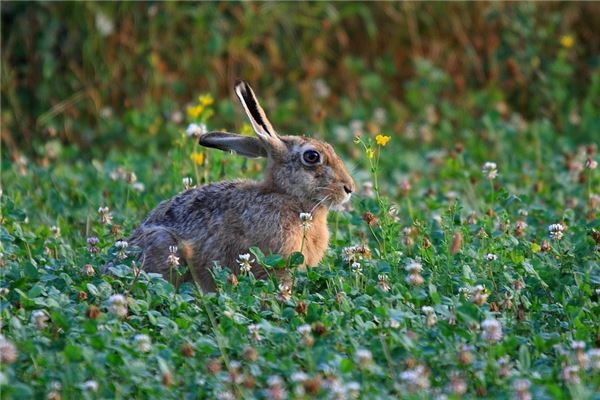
83 79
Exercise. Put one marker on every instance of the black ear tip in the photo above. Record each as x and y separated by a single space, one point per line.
241 83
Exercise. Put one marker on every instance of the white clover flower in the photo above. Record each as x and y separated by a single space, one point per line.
90 386
570 374
321 89
274 380
394 324
594 201
131 177
415 379
591 164
105 215
414 269
521 388
405 186
556 231
594 357
117 304
304 329
352 389
254 332
143 342
348 253
187 182
415 279
176 117
520 225
357 127
363 357
276 389
333 384
356 268
117 299
196 130
305 217
457 386
430 316
355 253
172 259
491 330
578 345
367 189
104 24
227 395
491 257
379 115
138 186
520 385
383 282
490 170
299 376
341 133
285 292
393 212
479 294
413 266
121 246
245 261
8 351
39 319
55 230
106 112
504 369
452 195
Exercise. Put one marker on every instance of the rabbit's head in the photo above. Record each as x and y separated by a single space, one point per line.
303 167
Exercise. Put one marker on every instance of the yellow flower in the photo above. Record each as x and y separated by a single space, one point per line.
247 129
567 41
382 140
195 111
205 100
370 153
198 158
154 127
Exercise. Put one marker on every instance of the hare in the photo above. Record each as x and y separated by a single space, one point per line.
219 222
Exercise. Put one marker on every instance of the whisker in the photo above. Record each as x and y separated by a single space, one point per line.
319 203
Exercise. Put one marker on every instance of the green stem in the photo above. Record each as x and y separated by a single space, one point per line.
196 173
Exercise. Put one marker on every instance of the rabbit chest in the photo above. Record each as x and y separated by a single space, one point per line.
313 240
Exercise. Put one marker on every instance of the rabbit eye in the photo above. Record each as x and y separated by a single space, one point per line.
311 157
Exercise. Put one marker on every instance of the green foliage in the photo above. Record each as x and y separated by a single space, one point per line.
433 249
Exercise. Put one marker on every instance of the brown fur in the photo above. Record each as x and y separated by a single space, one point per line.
220 221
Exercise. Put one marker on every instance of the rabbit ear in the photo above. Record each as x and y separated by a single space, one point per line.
260 123
243 145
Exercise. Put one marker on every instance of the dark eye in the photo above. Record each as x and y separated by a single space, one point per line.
311 157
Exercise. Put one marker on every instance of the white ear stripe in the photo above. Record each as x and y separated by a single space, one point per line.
255 113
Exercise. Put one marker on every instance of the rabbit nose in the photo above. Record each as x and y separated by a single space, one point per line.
347 189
